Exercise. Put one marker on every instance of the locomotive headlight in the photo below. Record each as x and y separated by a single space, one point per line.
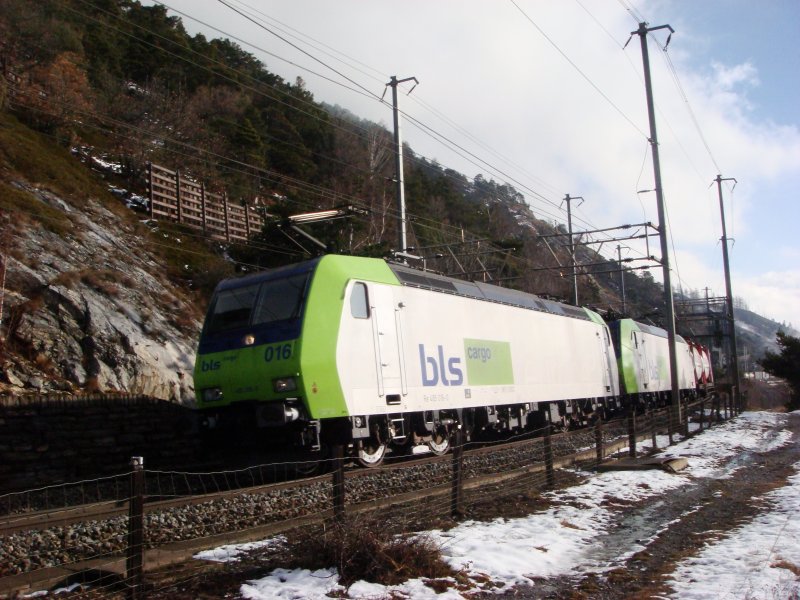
249 339
284 384
212 394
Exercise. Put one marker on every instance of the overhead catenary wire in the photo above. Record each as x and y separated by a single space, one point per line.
249 88
422 126
425 128
580 72
376 77
422 222
433 226
518 184
445 141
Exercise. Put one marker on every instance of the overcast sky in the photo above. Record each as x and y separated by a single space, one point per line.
544 94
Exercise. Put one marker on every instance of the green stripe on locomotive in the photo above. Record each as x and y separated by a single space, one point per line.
247 373
317 344
244 373
626 360
594 316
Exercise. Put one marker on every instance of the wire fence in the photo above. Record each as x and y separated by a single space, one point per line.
110 532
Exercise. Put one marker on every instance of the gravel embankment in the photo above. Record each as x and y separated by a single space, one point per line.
30 550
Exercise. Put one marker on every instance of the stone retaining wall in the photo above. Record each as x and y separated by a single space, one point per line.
47 440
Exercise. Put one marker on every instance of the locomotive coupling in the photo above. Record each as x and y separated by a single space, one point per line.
278 414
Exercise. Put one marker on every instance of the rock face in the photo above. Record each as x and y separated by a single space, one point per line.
92 309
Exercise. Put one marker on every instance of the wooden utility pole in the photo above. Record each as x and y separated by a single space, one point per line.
728 292
398 163
568 199
621 278
669 305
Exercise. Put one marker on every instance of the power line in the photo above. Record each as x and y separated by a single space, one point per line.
377 75
674 72
428 130
441 138
298 48
239 83
445 141
578 69
632 11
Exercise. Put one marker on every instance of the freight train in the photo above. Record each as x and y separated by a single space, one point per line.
376 355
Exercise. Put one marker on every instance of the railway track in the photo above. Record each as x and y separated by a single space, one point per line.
178 526
155 502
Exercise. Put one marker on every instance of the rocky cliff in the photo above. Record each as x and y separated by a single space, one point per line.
88 304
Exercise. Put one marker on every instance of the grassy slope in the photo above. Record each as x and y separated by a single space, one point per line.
37 159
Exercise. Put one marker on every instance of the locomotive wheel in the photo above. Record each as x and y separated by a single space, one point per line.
370 453
316 463
439 443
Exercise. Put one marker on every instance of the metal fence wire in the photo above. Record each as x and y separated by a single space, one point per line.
110 532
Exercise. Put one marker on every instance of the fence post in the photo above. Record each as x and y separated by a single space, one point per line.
150 184
457 492
178 195
135 553
225 215
685 415
598 440
548 458
203 205
702 413
338 482
632 433
653 430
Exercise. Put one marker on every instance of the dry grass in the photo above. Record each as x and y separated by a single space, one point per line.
363 549
789 566
106 281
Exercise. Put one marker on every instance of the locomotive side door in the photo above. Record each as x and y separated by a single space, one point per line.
607 363
387 340
641 361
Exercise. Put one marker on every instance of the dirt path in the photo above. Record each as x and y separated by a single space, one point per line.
677 526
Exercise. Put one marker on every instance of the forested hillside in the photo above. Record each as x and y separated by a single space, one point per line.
119 85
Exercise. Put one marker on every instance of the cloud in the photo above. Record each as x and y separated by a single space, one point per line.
774 294
729 77
565 103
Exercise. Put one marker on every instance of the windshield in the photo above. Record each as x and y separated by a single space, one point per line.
258 304
280 299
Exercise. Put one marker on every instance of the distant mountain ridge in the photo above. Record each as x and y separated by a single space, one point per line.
756 334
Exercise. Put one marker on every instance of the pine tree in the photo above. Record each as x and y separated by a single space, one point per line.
786 365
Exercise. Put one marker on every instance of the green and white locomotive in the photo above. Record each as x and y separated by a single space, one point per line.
643 354
372 355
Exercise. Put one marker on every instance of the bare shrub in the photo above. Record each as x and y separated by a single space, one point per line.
365 549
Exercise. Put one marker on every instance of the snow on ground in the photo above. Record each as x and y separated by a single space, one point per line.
232 552
564 539
756 561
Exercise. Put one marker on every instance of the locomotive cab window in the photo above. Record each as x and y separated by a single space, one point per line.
232 309
359 301
280 299
276 300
